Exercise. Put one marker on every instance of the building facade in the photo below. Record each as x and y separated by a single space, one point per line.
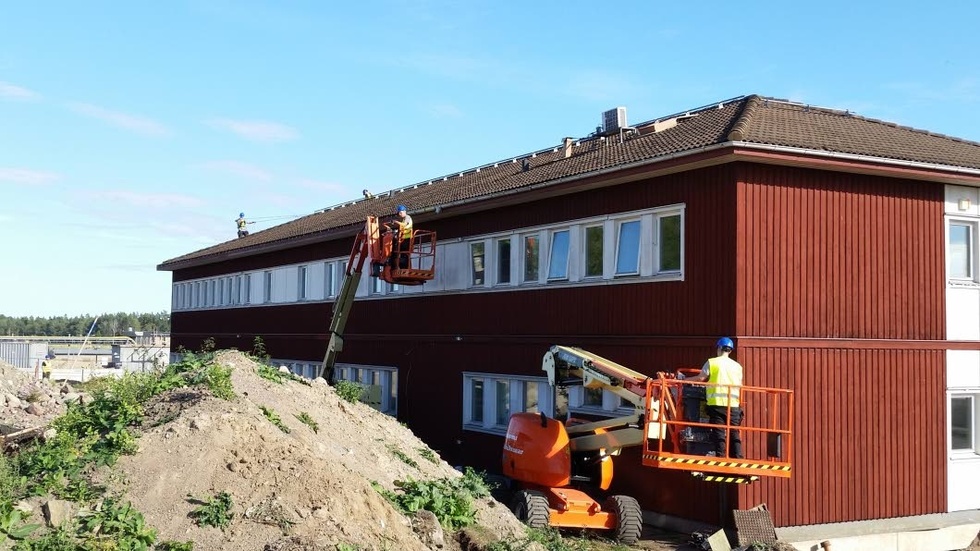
839 252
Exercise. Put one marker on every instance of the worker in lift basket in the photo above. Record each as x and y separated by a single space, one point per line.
724 376
402 238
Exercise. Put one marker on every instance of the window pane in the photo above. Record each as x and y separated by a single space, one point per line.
531 397
960 246
593 251
476 406
268 287
531 246
670 243
477 253
961 421
301 283
503 261
628 251
558 267
503 402
327 280
248 288
593 397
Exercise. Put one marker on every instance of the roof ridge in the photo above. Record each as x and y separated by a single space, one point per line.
737 133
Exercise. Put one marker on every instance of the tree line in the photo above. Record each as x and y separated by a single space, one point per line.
108 325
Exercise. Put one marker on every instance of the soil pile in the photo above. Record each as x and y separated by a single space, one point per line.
28 403
303 489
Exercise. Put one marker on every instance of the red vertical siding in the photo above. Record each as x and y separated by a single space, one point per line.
824 254
868 438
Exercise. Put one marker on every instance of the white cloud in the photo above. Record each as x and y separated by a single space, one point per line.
11 91
256 131
27 177
331 187
153 200
238 168
134 123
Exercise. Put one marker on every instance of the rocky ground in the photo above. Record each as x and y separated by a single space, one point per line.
27 403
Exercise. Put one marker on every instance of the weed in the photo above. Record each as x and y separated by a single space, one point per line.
428 454
274 419
216 511
175 546
450 499
11 522
270 373
208 345
34 395
308 421
349 390
116 523
259 351
55 540
403 456
347 547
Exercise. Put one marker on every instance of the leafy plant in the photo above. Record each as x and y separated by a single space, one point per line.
428 454
270 373
216 511
349 390
450 499
208 345
308 421
175 546
273 417
11 522
259 351
403 456
55 540
118 523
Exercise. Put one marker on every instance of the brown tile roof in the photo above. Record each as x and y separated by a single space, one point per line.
751 119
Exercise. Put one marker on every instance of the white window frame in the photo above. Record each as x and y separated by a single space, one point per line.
267 286
972 249
973 395
561 261
516 385
525 279
659 242
499 263
473 245
247 289
620 224
611 404
302 282
329 289
585 251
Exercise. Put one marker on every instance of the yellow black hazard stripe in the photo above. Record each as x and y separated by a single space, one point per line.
726 479
707 462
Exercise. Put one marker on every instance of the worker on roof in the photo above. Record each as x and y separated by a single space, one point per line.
401 240
240 221
724 376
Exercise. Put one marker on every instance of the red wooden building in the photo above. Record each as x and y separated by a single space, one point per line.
839 252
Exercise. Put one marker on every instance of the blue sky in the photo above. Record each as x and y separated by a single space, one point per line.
134 132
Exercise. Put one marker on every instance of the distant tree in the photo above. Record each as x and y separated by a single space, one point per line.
109 324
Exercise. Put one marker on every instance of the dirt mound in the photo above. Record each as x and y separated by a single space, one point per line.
303 489
27 403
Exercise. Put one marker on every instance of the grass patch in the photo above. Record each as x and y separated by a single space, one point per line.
273 418
403 456
428 454
308 421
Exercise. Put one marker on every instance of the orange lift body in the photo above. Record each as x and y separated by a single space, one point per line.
560 467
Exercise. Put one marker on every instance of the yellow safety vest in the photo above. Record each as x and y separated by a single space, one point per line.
725 379
45 367
406 227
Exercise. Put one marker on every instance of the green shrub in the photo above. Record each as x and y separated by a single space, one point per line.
349 390
11 522
116 523
450 499
175 546
216 511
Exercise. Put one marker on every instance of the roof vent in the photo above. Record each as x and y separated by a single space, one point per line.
613 120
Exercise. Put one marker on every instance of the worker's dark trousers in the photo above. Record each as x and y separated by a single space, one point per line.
399 254
717 416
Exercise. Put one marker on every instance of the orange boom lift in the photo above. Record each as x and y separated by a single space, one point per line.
411 264
564 469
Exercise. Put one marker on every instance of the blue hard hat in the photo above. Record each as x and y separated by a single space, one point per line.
725 342
242 214
402 208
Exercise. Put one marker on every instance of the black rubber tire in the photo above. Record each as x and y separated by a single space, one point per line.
531 508
629 518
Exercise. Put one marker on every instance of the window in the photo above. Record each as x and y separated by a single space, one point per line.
381 384
221 291
592 397
628 248
377 285
558 266
961 250
593 251
247 291
531 247
490 399
477 262
328 286
198 296
211 296
597 401
236 292
670 243
962 415
267 287
301 283
503 260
